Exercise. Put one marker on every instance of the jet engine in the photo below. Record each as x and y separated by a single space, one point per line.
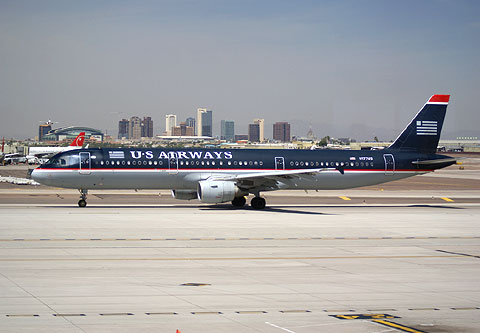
184 194
217 191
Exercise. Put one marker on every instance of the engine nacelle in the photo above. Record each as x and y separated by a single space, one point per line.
184 194
217 191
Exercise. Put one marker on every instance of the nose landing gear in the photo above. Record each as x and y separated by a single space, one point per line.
83 198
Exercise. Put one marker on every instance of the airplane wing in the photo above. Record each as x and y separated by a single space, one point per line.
271 180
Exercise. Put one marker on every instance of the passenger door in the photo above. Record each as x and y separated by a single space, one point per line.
279 163
85 164
389 164
173 163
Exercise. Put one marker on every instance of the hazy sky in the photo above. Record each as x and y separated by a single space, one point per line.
345 68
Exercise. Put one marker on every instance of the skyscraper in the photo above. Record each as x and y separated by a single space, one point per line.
170 122
123 129
204 122
261 126
254 132
281 131
227 130
191 123
135 128
147 127
43 129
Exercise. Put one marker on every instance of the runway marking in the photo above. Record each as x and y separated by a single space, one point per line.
280 327
372 317
345 198
459 254
447 199
397 326
228 239
117 314
364 316
68 315
229 258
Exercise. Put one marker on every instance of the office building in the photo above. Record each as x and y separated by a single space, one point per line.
170 123
183 130
190 121
43 130
123 128
227 130
147 127
241 137
261 127
254 132
281 131
204 122
135 128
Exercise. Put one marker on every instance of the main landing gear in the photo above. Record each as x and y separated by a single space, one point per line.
239 201
258 203
83 198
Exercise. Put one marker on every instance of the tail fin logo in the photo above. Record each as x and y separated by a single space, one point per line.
426 127
78 142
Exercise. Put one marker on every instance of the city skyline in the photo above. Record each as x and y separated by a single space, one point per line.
340 67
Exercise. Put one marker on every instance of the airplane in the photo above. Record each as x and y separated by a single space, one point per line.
13 158
35 154
223 175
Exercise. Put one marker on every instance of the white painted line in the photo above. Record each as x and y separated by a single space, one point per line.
279 327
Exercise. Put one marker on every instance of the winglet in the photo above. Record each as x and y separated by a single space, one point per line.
78 142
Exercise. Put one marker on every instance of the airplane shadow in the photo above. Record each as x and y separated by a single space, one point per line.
289 209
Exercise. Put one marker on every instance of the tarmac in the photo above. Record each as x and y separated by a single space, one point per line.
398 257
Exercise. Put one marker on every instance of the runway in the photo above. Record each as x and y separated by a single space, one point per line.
391 260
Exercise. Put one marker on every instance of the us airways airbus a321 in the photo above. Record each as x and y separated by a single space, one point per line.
222 175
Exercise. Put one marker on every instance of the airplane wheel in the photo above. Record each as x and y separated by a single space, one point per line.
239 201
258 203
82 203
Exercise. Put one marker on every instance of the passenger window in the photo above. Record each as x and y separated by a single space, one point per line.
107 162
261 163
361 164
149 162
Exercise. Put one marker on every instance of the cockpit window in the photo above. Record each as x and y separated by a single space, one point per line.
64 161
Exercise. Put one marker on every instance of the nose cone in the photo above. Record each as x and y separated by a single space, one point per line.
39 176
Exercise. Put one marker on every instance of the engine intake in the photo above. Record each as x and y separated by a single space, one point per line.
217 191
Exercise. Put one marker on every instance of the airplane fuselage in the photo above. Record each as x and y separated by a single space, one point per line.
163 168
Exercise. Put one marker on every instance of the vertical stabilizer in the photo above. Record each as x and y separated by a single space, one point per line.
423 132
78 142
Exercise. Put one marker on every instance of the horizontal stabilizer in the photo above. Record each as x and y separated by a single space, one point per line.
437 161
